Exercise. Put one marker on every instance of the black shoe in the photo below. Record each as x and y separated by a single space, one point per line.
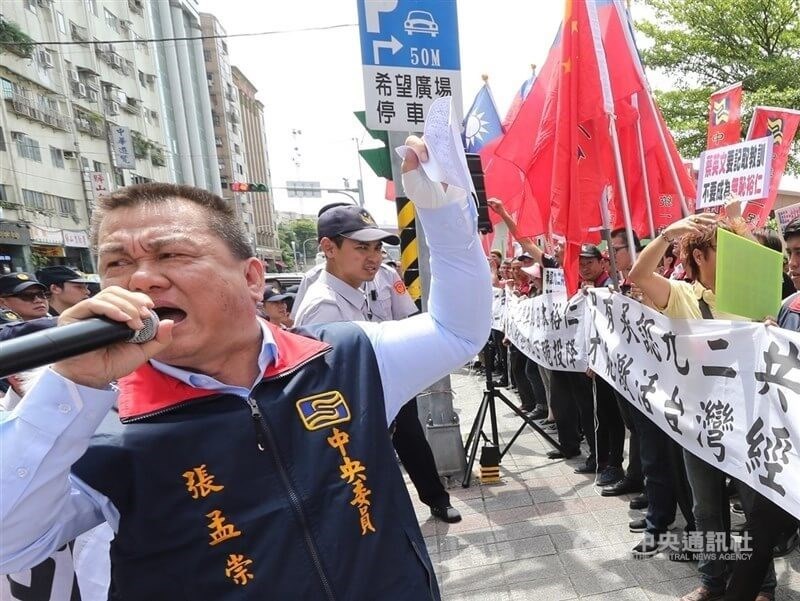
610 475
538 413
652 544
639 525
785 547
623 487
586 468
565 455
446 513
639 502
501 383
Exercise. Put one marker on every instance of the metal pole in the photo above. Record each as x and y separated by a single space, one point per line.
360 174
626 211
645 178
625 18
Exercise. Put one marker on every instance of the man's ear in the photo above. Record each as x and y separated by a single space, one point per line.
327 245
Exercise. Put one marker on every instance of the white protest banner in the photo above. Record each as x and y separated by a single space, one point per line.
728 392
786 214
549 329
498 308
553 282
741 169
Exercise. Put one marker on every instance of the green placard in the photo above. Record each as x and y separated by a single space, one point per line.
749 277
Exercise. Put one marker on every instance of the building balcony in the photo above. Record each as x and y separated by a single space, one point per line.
79 33
132 106
27 107
89 126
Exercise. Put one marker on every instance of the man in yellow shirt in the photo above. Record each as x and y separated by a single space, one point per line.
697 235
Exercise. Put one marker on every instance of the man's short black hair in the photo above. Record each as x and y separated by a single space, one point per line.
792 229
623 233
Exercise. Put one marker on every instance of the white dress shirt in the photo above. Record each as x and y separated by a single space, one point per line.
43 505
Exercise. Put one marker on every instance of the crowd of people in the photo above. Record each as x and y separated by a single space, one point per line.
675 275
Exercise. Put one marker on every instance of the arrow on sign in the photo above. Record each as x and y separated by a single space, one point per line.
394 44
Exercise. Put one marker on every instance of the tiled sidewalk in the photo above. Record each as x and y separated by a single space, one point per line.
545 533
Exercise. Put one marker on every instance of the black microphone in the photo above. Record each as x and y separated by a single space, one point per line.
54 344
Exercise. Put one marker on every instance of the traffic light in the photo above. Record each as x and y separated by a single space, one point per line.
247 187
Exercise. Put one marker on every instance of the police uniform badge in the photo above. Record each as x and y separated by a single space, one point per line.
323 410
23 276
7 316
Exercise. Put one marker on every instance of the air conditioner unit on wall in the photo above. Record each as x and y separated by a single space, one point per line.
46 59
73 76
113 108
80 89
93 96
70 155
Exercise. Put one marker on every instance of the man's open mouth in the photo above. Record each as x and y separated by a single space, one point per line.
173 313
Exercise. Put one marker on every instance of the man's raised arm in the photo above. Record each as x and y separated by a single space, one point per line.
415 352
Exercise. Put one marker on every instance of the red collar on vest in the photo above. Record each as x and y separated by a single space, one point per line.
147 390
795 304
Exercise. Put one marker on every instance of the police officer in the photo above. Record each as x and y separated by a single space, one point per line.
355 285
66 286
24 295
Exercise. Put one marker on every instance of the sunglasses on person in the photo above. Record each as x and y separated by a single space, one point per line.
616 249
29 297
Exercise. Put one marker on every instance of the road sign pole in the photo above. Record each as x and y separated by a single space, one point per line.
435 404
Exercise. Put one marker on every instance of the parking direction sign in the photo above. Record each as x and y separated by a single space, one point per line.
409 52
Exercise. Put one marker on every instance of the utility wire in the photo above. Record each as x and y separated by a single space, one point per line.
179 39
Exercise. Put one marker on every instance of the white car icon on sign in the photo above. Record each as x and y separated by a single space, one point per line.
420 21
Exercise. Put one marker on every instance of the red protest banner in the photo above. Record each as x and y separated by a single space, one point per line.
725 117
782 125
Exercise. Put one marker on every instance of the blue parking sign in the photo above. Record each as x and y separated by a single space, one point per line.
410 56
409 33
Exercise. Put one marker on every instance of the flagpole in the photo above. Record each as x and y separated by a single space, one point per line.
634 52
485 78
608 106
646 179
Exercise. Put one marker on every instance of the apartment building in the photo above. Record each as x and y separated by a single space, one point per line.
60 118
227 120
184 93
257 165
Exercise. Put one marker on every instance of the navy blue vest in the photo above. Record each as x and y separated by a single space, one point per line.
295 494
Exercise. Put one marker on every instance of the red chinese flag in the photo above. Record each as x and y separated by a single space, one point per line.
782 125
725 117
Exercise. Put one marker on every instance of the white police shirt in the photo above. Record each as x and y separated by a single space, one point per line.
331 299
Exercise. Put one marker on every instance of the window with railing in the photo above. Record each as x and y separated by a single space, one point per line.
33 200
57 157
28 148
66 206
111 19
7 89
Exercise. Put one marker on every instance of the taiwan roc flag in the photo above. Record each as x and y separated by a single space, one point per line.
725 117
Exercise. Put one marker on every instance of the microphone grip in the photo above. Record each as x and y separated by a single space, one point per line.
55 344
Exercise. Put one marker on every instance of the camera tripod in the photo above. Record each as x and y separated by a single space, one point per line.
491 455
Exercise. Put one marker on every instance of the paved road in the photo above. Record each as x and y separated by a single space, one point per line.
545 533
